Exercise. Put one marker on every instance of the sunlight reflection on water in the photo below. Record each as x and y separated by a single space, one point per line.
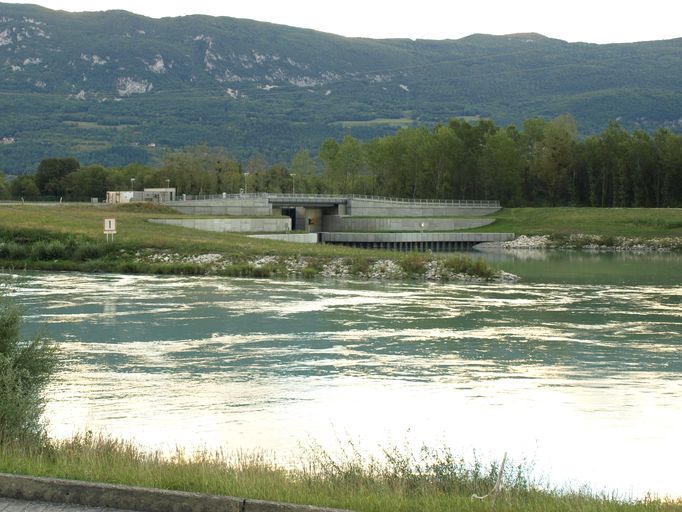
560 374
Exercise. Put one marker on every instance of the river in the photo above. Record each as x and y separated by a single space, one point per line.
577 368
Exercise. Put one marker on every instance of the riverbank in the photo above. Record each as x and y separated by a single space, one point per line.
70 238
561 222
434 479
590 243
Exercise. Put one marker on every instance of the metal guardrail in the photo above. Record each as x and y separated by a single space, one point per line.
340 197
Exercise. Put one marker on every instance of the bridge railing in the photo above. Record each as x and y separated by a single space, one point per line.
341 198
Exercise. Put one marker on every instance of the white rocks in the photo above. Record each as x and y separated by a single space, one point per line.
527 242
127 86
264 260
95 60
385 269
158 66
203 259
336 268
506 277
329 268
5 37
232 93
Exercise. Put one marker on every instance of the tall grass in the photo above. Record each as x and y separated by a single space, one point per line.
399 480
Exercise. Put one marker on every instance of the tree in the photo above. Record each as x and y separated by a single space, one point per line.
554 158
25 370
501 165
50 174
669 147
4 186
304 171
86 183
24 187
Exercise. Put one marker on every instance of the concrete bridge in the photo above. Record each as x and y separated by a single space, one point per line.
359 221
309 211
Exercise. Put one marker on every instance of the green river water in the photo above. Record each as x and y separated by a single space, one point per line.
577 368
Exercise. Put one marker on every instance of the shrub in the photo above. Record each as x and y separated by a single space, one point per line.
310 273
48 250
263 271
13 251
414 264
87 250
238 270
359 265
481 268
457 264
25 369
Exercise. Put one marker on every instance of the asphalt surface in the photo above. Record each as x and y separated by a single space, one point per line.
9 505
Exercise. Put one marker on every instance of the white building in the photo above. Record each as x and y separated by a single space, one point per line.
150 195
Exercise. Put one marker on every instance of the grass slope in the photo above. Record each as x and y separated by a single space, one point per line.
70 237
629 222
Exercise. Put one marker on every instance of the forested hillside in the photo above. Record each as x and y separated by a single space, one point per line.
114 88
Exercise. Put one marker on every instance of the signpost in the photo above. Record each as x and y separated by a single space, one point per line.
109 228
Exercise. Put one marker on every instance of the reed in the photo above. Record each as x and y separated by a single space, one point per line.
398 480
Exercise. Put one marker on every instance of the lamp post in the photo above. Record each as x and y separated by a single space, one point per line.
167 183
132 181
293 183
246 175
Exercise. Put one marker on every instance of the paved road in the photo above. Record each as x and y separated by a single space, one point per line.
8 505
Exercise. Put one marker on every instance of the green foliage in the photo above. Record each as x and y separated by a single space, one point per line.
50 173
48 250
24 187
414 264
13 251
39 245
25 370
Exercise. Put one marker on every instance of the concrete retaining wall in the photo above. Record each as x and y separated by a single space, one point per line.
301 238
256 206
386 208
135 498
354 224
415 237
271 224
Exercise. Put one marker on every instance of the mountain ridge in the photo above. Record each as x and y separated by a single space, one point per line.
114 86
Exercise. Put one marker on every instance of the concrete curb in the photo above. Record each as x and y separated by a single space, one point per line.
135 498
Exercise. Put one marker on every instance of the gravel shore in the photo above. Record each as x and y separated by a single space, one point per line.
435 269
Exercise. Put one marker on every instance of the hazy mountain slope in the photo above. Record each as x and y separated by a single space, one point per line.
107 86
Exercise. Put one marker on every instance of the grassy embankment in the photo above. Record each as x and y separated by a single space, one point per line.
608 223
435 480
70 237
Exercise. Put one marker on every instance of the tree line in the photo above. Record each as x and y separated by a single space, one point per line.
543 163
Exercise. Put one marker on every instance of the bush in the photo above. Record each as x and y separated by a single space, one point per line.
44 250
13 251
87 250
414 264
457 264
25 370
309 273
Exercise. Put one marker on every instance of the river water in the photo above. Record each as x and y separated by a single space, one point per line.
576 369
